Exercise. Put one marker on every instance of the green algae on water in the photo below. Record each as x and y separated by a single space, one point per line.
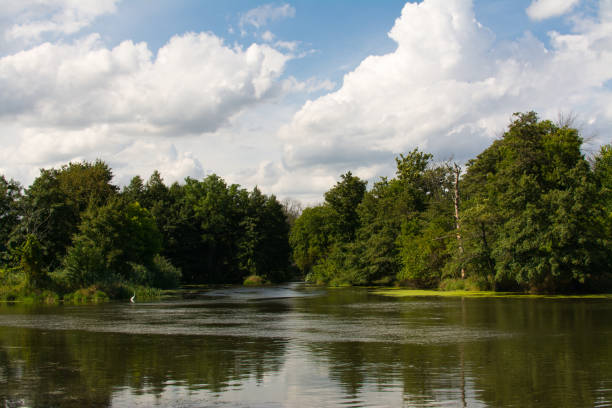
396 292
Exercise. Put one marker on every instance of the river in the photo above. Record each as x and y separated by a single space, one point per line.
301 346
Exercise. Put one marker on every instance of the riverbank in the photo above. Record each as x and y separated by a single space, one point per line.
92 294
400 293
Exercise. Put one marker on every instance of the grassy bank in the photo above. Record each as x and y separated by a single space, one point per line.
405 293
18 292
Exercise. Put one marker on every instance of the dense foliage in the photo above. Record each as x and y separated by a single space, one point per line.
528 213
531 214
73 229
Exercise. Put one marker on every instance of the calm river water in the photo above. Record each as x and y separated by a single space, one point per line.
298 346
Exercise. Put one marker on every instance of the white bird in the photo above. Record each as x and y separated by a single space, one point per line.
132 298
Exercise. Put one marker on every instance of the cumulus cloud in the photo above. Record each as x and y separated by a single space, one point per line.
126 155
449 89
81 100
142 156
194 84
543 9
34 18
260 16
267 36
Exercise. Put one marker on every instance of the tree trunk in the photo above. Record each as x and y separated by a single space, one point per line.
457 171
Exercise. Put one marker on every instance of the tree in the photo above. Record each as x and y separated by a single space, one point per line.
344 198
135 190
10 195
311 236
427 241
264 247
31 263
390 218
111 239
533 194
292 209
602 168
53 205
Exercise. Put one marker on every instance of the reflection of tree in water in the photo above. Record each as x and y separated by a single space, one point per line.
558 356
420 370
548 353
492 352
75 368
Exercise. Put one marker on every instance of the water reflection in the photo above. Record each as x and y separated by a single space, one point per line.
300 346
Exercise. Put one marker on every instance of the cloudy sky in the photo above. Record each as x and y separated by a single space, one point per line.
289 95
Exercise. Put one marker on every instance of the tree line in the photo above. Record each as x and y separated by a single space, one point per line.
73 229
530 212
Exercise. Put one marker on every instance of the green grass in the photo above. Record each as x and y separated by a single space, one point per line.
395 292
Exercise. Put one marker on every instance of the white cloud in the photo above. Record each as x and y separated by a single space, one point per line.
543 9
311 85
448 89
267 36
260 16
34 18
142 156
194 84
287 45
127 155
131 107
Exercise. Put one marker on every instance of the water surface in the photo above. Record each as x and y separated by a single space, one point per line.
298 346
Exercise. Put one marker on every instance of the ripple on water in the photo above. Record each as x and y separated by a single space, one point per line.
263 313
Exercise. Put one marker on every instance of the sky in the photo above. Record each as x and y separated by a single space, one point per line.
289 95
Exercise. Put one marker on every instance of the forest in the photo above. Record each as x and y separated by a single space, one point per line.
529 213
73 235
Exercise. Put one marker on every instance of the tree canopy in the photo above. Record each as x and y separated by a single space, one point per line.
530 212
533 214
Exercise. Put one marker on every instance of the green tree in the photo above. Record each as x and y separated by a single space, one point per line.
311 236
539 214
111 239
31 263
263 248
344 198
135 190
392 208
52 206
10 195
427 240
602 168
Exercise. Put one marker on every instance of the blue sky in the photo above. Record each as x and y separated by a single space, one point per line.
288 95
341 32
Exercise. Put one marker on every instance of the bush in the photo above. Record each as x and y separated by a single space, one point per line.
471 283
165 275
12 284
84 264
253 280
161 274
86 295
45 296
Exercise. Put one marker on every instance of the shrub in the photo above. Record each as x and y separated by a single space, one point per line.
86 295
165 275
471 283
253 280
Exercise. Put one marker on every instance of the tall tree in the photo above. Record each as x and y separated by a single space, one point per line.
536 191
344 198
602 167
53 205
111 239
10 194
